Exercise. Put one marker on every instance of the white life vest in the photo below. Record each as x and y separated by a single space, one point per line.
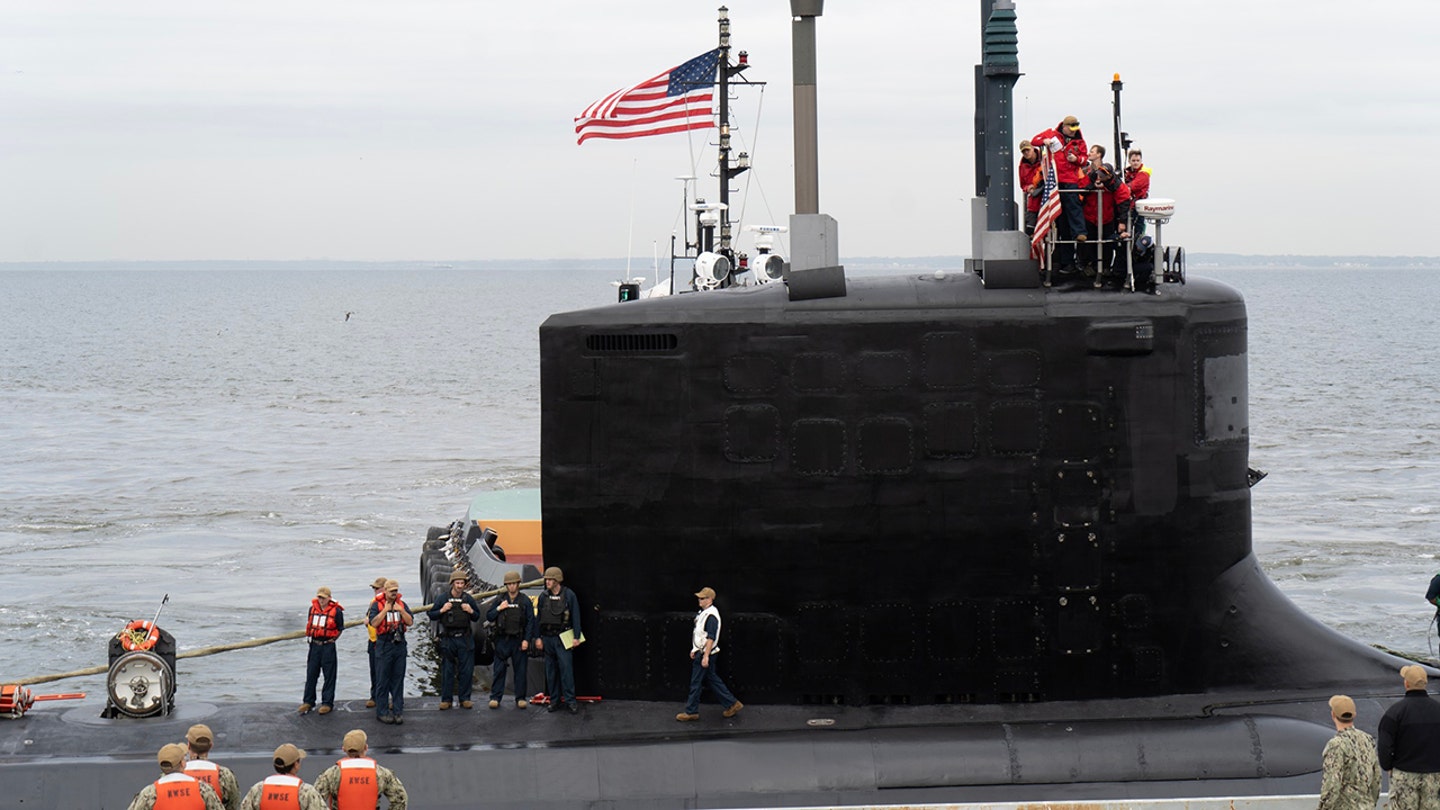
697 639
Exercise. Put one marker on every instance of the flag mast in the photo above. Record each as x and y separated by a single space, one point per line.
728 170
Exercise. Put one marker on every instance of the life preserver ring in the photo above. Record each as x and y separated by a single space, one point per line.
139 635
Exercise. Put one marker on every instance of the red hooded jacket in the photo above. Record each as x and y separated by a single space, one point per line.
1117 200
1066 170
1031 175
1139 182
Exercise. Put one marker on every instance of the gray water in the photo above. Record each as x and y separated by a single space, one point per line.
229 438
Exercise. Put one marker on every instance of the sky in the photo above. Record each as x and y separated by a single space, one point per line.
441 130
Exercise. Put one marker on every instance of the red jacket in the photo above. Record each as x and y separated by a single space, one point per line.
1115 201
1139 182
1031 176
1066 169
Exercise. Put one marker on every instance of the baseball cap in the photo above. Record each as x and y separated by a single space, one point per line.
378 583
1342 707
171 757
705 593
355 741
199 733
323 591
287 755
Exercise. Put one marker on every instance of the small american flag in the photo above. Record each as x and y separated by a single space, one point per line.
1049 210
675 101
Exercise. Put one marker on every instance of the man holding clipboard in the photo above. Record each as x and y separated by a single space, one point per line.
558 615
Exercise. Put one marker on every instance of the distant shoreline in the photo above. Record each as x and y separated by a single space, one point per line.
637 266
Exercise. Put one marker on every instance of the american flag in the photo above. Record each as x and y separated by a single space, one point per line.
1049 210
675 101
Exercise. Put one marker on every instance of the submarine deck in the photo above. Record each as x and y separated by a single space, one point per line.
634 754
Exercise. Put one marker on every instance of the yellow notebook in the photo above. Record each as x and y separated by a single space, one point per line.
570 640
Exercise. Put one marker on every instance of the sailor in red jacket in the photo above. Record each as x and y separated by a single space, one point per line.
1032 182
1137 176
322 627
1067 144
1107 210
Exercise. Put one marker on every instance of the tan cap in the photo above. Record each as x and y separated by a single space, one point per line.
392 585
1071 120
323 591
355 742
1025 145
554 572
705 593
378 583
287 755
171 757
1342 707
199 733
1414 676
512 576
459 576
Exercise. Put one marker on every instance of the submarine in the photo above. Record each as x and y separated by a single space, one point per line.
976 539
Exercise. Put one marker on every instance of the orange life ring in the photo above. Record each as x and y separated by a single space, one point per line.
136 637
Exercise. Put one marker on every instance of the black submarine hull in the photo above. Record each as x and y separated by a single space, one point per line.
925 491
632 755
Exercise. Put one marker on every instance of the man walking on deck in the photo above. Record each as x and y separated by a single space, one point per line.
1408 745
704 645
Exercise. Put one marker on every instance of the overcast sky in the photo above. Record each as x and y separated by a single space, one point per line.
442 130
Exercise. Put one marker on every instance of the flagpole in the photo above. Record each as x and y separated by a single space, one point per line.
630 234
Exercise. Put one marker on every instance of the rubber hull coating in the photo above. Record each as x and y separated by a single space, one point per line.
924 492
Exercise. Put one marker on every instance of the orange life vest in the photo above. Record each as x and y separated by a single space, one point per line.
207 772
387 623
359 785
176 791
280 792
322 625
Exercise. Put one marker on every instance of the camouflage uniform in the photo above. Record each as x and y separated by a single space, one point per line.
328 784
145 799
1352 772
1414 791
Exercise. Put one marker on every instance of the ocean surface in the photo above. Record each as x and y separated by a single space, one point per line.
231 439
